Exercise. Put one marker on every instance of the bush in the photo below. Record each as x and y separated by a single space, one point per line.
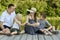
51 7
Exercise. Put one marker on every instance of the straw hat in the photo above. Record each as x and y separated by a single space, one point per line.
32 9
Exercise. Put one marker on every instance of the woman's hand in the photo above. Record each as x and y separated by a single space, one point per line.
36 24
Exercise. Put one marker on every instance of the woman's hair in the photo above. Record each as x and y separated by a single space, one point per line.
28 12
35 17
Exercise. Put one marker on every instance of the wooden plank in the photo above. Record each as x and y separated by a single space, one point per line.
4 38
29 37
54 37
47 37
17 37
58 35
24 37
11 37
34 37
1 36
40 37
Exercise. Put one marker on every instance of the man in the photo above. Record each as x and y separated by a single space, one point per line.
7 17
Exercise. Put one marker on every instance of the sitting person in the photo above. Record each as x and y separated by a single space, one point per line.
17 24
6 19
45 27
31 22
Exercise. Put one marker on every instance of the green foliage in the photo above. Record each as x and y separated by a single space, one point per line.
51 7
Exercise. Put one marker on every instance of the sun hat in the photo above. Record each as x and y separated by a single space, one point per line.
32 9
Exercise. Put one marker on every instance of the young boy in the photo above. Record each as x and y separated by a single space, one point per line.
17 24
45 27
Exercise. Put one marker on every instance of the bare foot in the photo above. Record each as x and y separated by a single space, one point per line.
49 33
13 33
1 32
22 32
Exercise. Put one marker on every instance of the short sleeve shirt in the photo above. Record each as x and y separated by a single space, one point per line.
7 19
43 24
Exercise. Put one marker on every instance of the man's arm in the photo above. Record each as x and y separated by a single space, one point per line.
2 18
1 25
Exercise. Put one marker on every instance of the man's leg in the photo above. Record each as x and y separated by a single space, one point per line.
6 31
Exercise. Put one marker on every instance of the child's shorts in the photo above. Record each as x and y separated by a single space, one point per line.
14 29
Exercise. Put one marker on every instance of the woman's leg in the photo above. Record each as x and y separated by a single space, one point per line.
30 30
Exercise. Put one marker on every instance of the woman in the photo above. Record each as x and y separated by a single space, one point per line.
31 22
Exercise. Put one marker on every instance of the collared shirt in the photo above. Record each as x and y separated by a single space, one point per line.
7 19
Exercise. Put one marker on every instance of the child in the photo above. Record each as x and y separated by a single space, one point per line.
17 24
43 24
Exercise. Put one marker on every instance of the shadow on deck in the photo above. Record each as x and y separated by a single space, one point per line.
30 37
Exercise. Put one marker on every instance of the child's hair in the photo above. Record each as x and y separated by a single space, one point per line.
18 15
43 14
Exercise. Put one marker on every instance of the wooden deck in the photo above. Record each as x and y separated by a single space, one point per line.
30 37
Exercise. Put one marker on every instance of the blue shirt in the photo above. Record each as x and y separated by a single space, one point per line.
43 24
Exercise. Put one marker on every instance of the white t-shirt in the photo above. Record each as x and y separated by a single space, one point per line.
7 19
15 25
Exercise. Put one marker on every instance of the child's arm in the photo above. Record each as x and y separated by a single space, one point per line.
50 26
19 23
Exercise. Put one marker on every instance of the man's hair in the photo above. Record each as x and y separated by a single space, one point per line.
43 14
10 5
